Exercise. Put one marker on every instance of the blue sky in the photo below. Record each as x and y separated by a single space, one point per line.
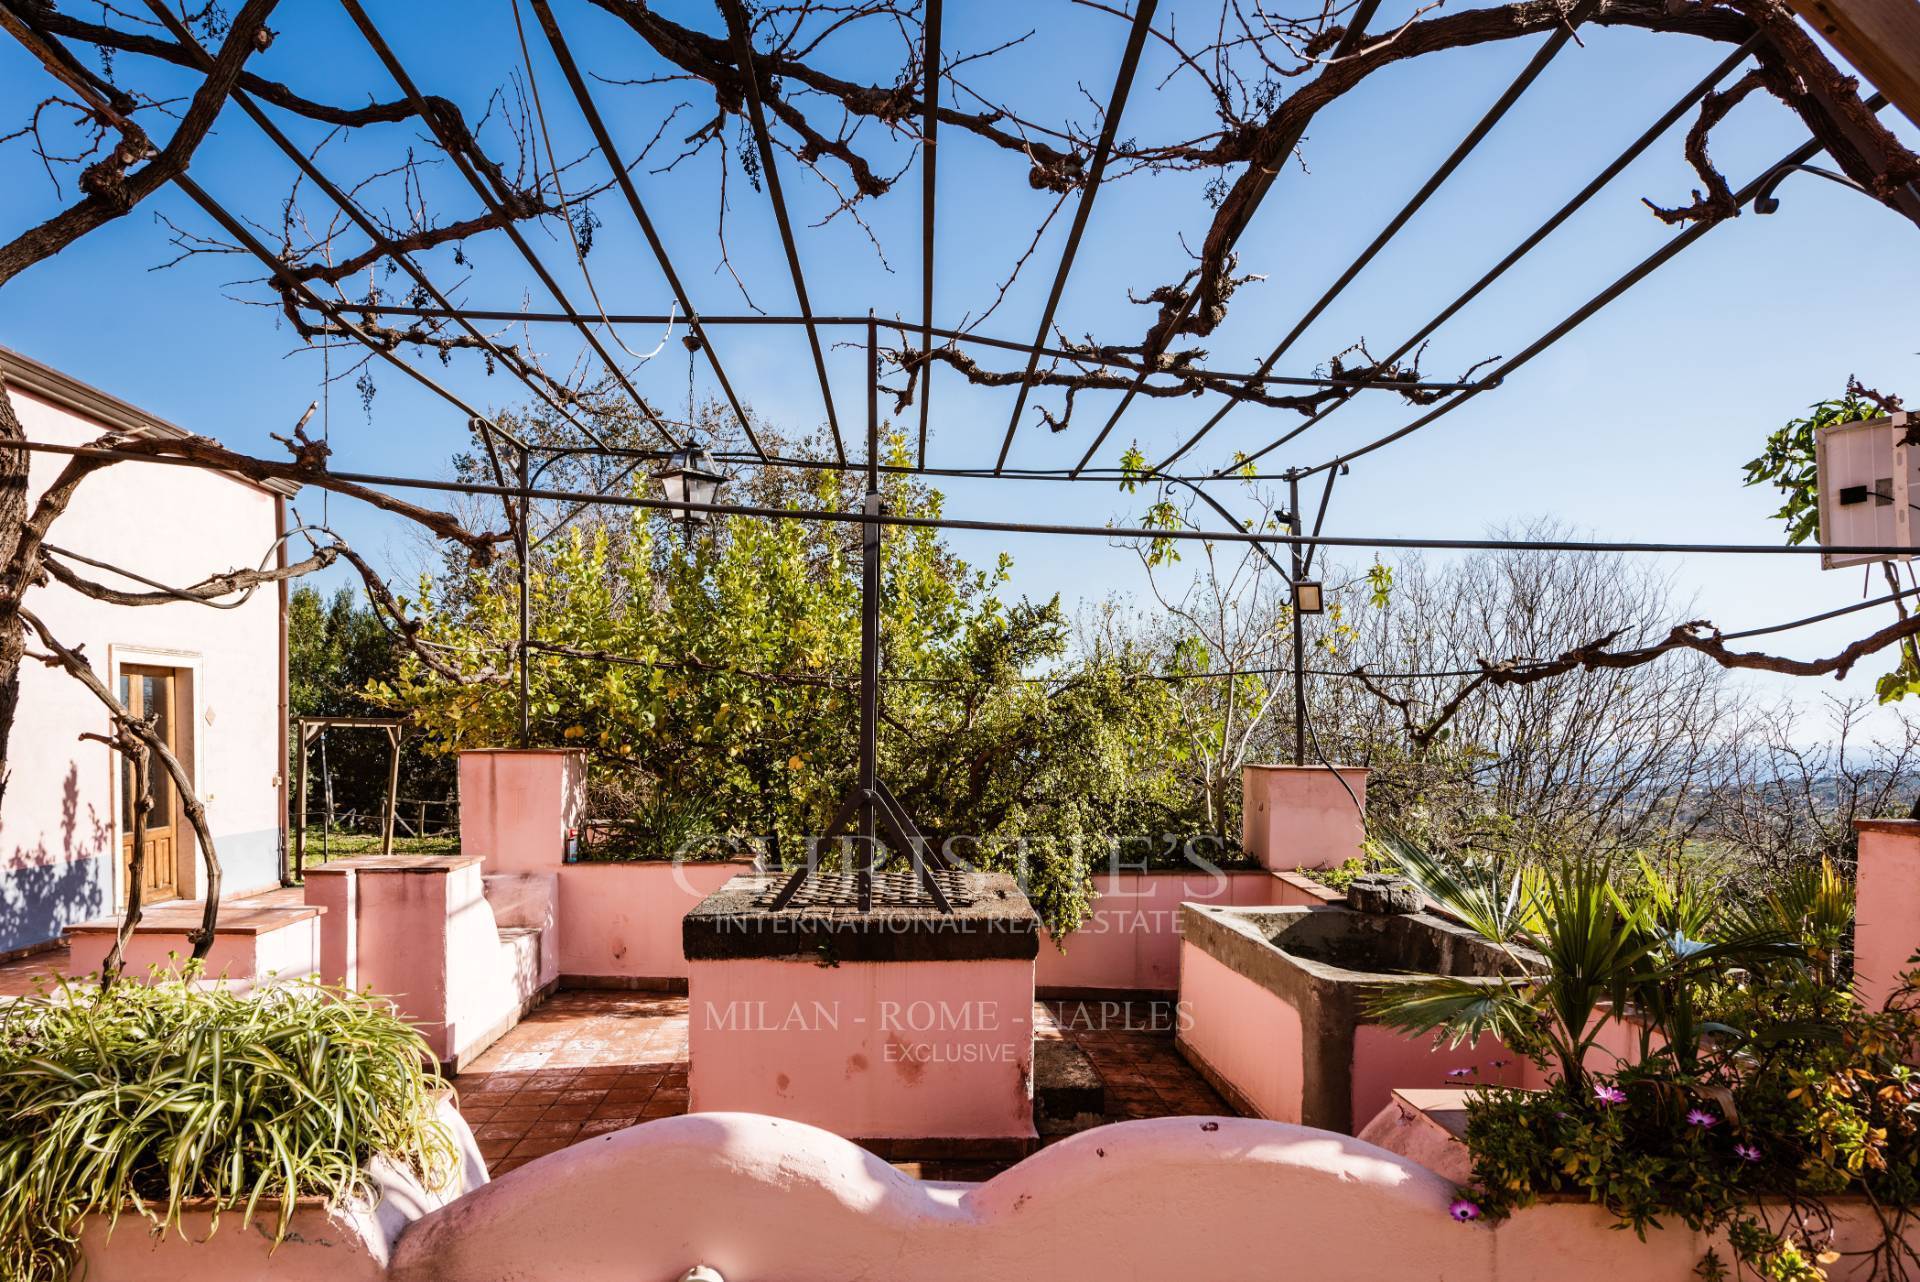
1635 427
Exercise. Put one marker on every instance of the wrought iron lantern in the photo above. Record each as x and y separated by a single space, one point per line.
690 477
1307 597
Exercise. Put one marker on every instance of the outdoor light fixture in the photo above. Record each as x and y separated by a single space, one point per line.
689 477
1306 597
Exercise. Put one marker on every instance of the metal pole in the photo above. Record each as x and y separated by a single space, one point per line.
522 540
870 627
393 791
300 811
1299 630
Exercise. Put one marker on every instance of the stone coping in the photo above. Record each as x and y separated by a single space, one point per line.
522 752
394 863
1239 939
731 925
1305 884
169 919
1444 1106
660 861
1902 827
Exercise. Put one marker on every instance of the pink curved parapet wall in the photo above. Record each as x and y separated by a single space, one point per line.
1886 928
756 1198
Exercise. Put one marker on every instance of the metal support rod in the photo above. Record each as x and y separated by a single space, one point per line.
564 55
929 161
393 791
522 544
870 630
1320 518
1484 126
509 227
1299 631
351 208
1106 533
1107 360
1798 156
1600 180
1116 104
300 805
769 167
1356 27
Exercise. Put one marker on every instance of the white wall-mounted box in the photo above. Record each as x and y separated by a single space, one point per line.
1867 480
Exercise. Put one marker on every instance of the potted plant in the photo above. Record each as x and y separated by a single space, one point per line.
173 1101
1754 1096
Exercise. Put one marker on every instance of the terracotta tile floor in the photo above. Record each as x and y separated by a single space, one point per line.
588 1062
1131 1046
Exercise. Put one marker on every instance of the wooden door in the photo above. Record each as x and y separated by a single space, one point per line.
153 692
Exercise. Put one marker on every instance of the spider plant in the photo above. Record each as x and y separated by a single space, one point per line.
151 1097
1589 946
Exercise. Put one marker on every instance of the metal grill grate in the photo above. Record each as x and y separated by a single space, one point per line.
901 889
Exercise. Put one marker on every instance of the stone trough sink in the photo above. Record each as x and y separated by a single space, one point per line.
1273 1005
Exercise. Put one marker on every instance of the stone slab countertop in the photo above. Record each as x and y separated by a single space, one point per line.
994 922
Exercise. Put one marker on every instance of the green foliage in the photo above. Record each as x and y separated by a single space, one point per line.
1757 1082
1808 1099
1590 944
715 678
1787 462
337 649
148 1096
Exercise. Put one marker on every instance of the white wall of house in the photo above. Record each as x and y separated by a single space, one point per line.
60 858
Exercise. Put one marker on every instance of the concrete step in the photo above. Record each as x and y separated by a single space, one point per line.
523 945
1068 1094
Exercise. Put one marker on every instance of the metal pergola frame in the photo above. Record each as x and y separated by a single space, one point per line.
870 807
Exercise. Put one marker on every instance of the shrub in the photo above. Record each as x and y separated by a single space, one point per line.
1758 1086
148 1097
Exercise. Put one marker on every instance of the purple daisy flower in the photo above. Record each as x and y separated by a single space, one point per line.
1464 1210
1701 1118
1609 1094
1746 1152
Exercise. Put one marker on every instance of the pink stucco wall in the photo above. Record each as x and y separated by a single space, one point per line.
1384 1059
422 931
1250 1040
289 952
1886 928
516 806
762 1198
618 922
1301 816
622 920
59 841
340 1244
1242 1035
870 1050
1131 940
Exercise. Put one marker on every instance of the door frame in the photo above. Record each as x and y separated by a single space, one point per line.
191 693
